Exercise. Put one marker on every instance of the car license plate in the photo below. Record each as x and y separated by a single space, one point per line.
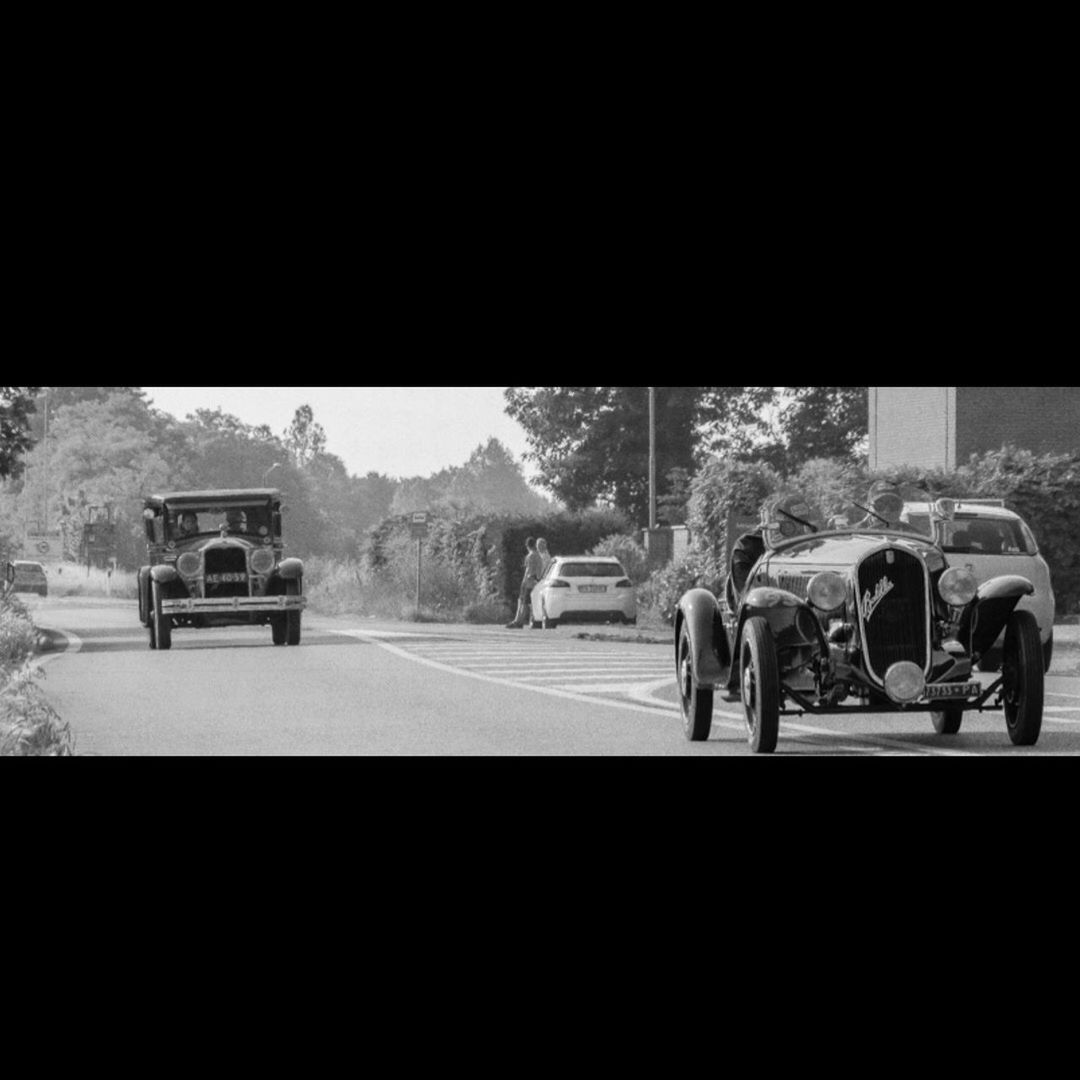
225 579
592 588
952 690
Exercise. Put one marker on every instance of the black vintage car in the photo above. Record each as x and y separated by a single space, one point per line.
217 559
866 618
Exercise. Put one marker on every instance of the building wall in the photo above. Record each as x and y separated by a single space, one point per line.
912 425
1040 418
942 426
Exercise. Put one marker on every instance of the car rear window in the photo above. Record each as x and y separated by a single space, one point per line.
971 535
586 569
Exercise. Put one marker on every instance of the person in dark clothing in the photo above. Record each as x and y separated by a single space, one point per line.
748 549
534 571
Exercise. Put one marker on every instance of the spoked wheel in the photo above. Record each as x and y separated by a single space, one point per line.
160 625
948 721
697 703
760 686
1024 676
292 618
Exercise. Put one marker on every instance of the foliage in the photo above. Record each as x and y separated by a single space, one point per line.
29 726
16 407
723 487
665 588
632 555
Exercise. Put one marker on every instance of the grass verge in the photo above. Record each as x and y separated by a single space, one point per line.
29 725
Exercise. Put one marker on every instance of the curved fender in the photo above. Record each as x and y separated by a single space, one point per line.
699 611
291 569
986 616
164 574
784 612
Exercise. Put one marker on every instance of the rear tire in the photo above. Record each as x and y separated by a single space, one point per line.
948 721
761 686
1024 676
292 618
697 703
161 625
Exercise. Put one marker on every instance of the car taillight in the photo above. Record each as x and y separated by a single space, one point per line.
558 584
626 584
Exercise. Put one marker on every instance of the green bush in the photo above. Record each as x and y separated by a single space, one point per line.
29 726
632 555
660 595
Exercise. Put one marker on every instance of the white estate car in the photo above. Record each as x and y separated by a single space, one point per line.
584 588
990 540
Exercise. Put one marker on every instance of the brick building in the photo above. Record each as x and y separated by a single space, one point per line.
942 426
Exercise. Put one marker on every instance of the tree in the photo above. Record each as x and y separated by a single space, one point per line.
16 408
305 439
819 422
591 443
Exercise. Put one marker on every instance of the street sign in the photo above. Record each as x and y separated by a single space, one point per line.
418 525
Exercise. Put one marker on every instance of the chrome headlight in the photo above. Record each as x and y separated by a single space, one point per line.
262 560
189 564
904 682
827 591
958 587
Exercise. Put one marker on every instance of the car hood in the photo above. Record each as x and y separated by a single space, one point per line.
838 551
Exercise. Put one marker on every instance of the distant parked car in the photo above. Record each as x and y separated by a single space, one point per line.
584 588
991 541
29 577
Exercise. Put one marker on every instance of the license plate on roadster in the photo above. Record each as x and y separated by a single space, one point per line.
952 690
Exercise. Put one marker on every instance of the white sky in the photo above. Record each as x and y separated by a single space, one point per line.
400 431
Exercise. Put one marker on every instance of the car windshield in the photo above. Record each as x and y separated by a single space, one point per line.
970 534
590 570
241 519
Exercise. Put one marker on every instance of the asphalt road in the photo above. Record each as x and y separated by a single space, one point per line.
356 687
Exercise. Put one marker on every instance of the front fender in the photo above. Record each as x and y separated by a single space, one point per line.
291 569
792 621
710 658
164 574
986 616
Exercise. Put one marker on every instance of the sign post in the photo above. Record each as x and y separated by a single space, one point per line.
419 527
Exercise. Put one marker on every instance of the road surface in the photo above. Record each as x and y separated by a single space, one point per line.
356 687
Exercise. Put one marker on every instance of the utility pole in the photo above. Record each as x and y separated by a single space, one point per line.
652 458
45 487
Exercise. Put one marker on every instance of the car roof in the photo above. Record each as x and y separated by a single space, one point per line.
587 558
233 495
977 508
22 562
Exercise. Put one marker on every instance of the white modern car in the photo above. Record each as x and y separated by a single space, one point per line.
990 540
584 588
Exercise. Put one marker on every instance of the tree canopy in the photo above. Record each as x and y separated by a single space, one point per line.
16 408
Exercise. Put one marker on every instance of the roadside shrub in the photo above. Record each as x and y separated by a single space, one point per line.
29 726
632 555
660 595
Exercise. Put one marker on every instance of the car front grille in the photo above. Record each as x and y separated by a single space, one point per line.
892 605
230 562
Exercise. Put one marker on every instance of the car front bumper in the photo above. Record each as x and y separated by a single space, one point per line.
223 605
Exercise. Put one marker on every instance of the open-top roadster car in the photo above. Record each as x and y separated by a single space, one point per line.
217 559
847 618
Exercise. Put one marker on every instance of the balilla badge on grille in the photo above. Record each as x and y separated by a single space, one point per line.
871 600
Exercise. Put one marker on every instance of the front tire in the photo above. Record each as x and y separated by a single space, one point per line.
1024 674
697 703
1048 652
292 618
160 625
761 686
948 721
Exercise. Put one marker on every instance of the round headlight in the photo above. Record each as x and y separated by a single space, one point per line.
827 591
958 587
904 682
189 564
262 560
